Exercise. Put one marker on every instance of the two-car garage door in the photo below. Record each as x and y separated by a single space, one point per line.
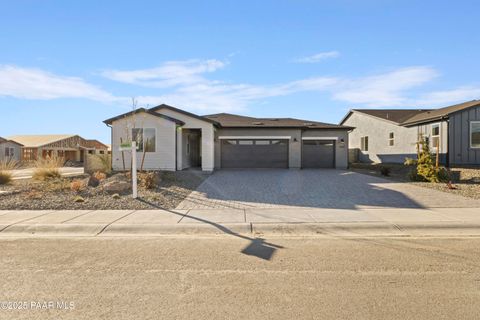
254 153
273 153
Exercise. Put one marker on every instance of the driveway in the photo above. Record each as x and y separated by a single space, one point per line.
336 189
27 173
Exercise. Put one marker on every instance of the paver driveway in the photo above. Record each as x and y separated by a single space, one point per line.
339 189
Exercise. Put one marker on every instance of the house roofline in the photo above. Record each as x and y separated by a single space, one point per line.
140 110
165 106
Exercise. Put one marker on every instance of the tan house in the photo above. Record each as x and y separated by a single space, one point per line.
9 149
68 146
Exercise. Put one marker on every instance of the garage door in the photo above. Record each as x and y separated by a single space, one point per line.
254 153
318 154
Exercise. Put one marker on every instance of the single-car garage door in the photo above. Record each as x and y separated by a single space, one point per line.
254 153
318 154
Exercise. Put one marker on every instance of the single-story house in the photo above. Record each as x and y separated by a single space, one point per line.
173 139
69 146
9 149
389 136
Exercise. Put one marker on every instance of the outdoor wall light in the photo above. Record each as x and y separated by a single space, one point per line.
295 140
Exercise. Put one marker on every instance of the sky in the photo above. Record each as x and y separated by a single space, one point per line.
65 66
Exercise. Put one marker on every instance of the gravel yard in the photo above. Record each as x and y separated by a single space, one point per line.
172 188
465 180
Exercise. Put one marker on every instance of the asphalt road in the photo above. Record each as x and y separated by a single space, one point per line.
232 278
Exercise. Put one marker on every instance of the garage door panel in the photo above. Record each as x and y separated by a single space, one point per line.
318 154
254 154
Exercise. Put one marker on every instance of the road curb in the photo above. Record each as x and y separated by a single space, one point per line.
172 229
53 230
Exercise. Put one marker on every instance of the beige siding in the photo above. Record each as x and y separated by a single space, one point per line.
16 149
164 156
207 137
378 131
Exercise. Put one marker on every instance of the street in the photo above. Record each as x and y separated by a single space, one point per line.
237 277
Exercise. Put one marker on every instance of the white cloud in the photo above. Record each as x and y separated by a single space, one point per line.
384 90
442 98
25 83
318 57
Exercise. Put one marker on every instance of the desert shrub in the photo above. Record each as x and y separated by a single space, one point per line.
99 175
426 169
148 180
410 161
99 162
47 168
413 176
77 185
443 175
385 171
5 167
5 177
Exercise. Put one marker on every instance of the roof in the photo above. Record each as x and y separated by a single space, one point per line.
94 143
165 106
3 140
437 114
394 115
34 141
236 121
139 110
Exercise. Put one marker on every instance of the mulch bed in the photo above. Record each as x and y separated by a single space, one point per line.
465 180
172 188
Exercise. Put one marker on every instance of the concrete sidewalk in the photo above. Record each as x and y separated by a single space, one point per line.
305 221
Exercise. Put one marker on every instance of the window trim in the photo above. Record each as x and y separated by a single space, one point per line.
391 139
435 136
470 133
363 145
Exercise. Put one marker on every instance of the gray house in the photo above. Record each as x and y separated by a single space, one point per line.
389 136
10 149
173 139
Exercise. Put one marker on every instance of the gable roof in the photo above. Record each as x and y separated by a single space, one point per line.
3 140
34 141
94 143
393 115
140 110
228 120
165 106
437 114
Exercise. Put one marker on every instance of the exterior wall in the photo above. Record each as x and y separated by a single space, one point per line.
208 133
378 131
341 148
294 147
17 149
460 152
164 156
426 131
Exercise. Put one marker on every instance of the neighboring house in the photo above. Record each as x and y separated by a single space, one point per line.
391 135
174 139
9 149
68 146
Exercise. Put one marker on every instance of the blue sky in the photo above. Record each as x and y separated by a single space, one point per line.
65 66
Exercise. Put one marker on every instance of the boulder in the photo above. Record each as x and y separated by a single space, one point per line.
93 182
120 187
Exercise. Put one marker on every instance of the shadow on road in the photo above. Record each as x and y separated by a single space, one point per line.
257 246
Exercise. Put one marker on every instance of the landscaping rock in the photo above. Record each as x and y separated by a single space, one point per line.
93 182
116 196
119 187
78 199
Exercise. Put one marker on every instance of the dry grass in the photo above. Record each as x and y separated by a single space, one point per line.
77 185
5 167
99 176
47 168
148 180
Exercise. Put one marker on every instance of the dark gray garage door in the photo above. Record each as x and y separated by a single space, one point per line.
318 154
242 153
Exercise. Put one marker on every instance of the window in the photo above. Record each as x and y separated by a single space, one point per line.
435 135
364 143
145 138
262 142
475 134
391 139
9 152
245 142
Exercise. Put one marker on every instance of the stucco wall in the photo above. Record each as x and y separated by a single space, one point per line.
164 156
17 150
207 137
378 132
460 152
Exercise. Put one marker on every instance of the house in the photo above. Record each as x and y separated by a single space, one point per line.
68 146
173 139
389 136
9 149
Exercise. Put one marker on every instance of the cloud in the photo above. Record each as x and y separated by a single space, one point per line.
442 98
318 57
25 83
384 90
